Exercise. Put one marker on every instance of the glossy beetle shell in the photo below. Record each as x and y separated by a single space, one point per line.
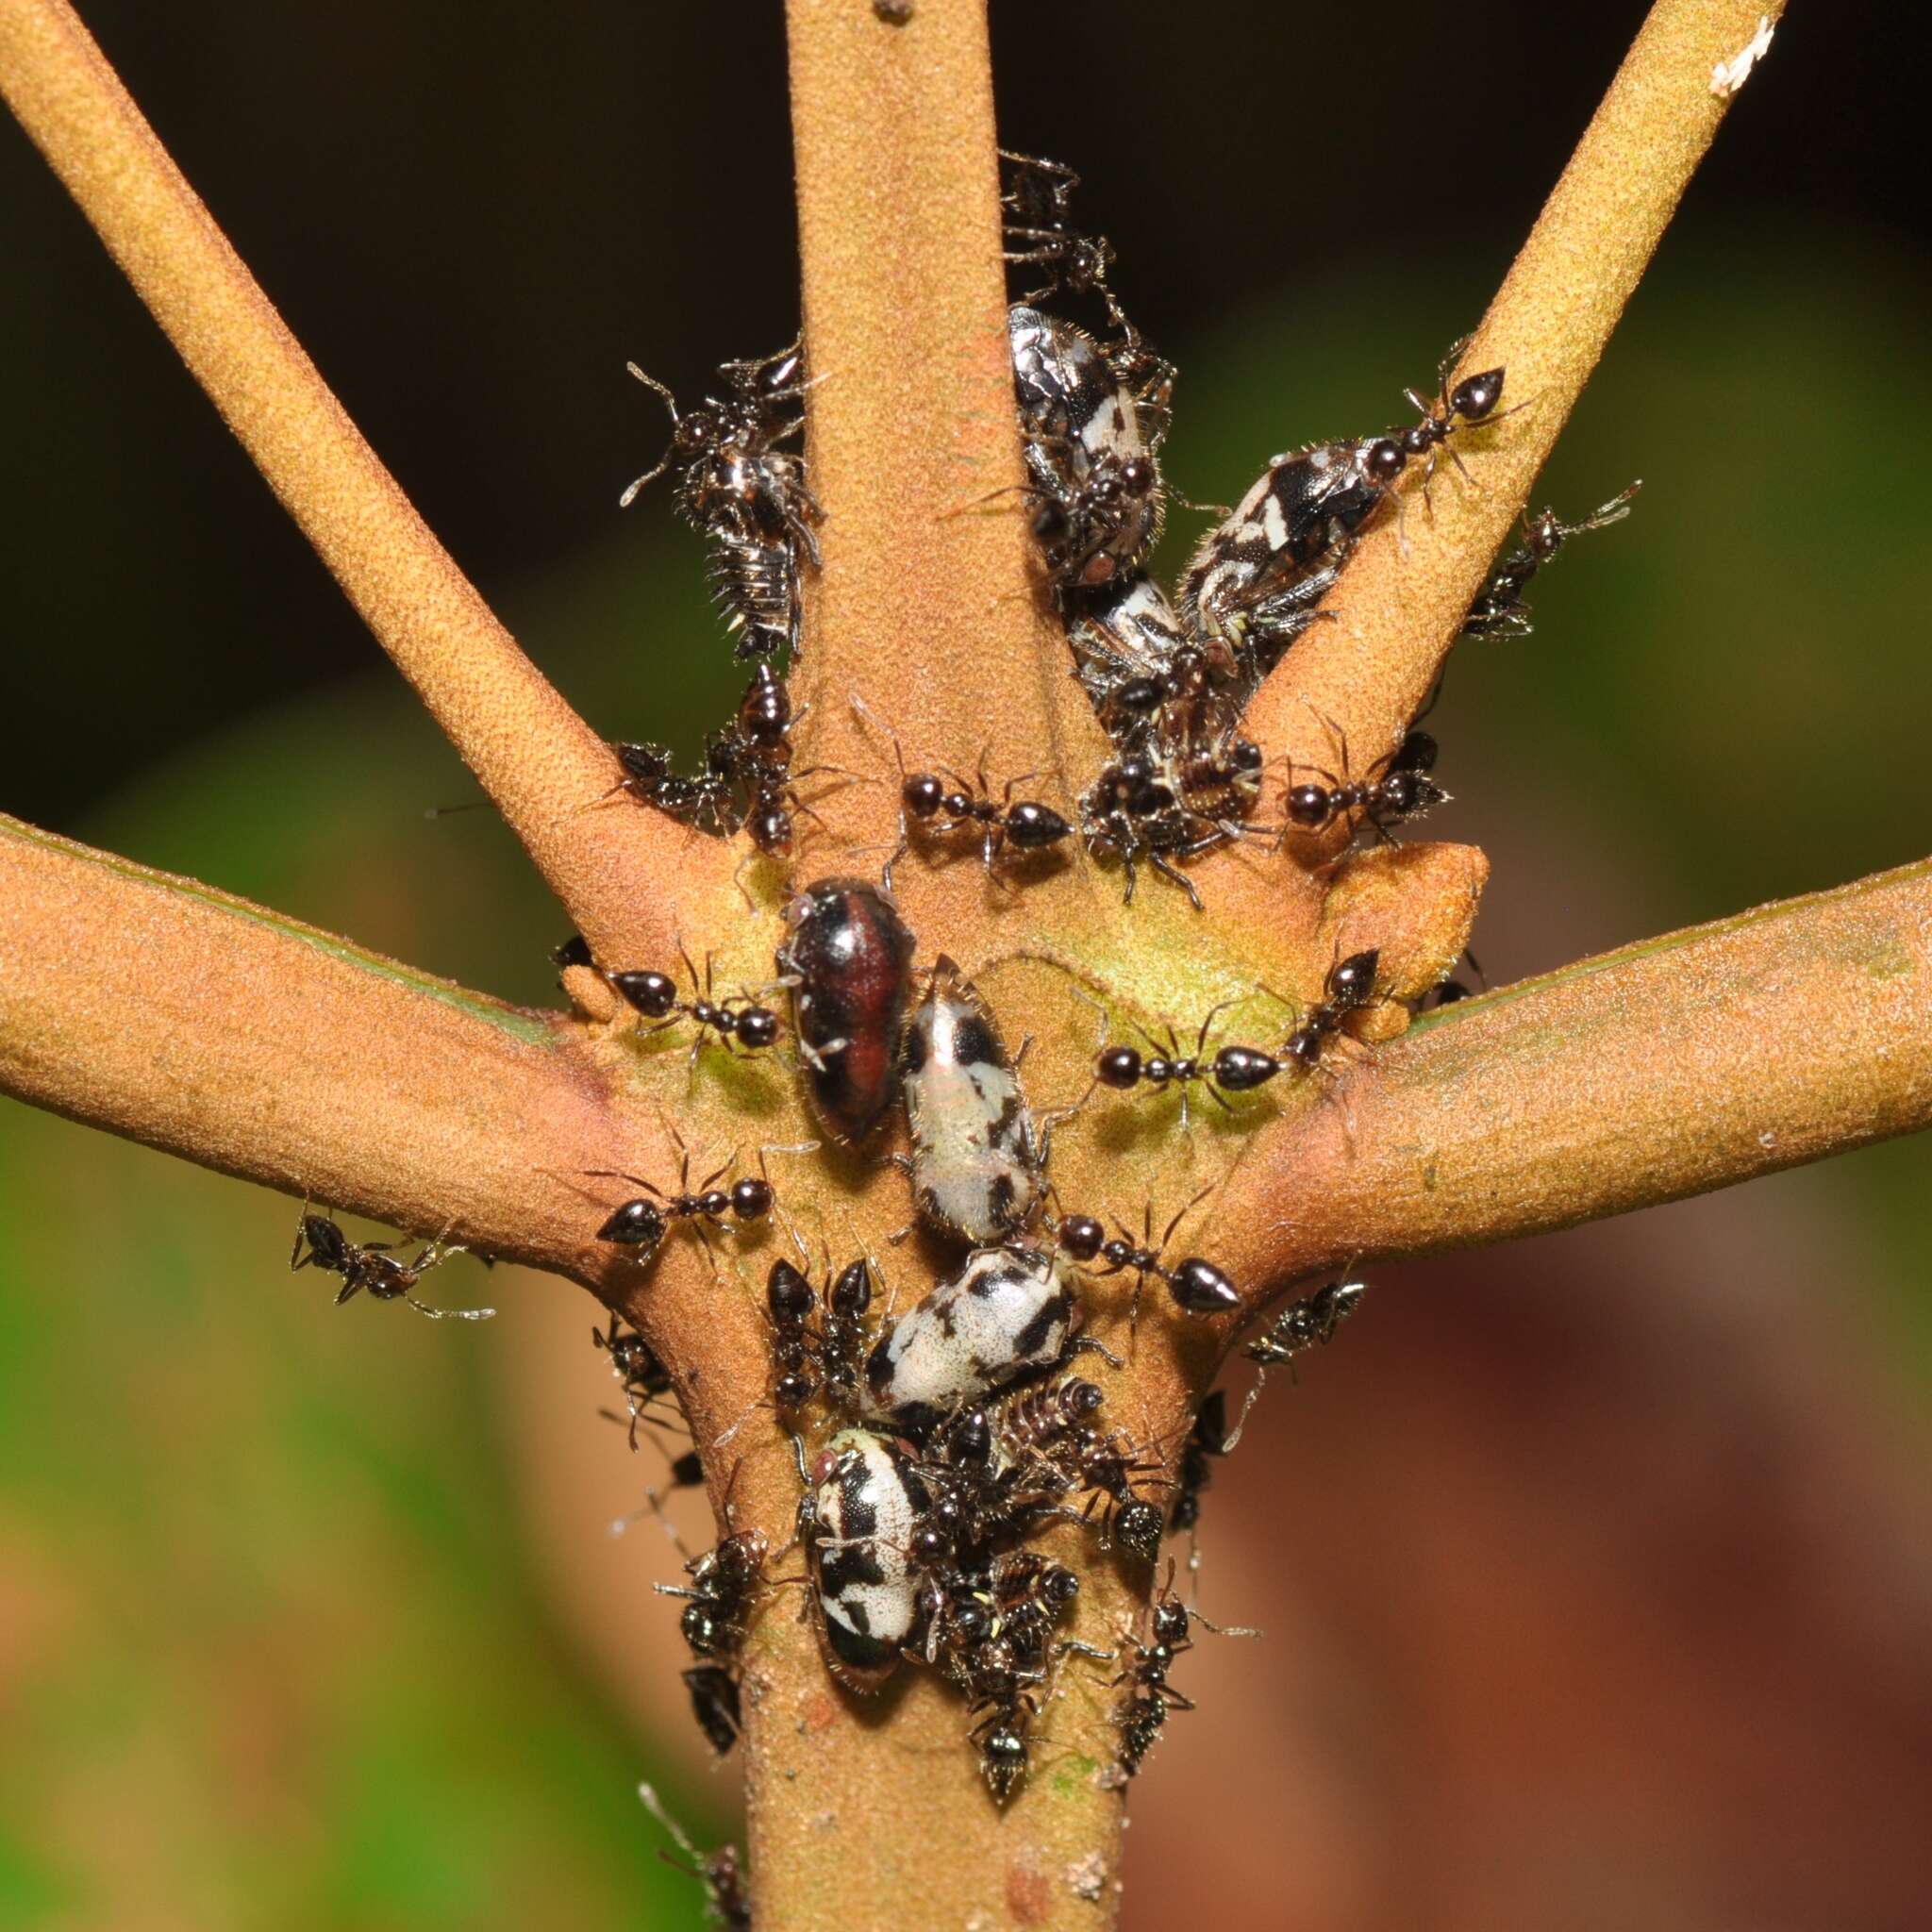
848 959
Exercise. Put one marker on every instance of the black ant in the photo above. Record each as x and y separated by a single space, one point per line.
1309 1322
1135 809
1401 788
374 1266
943 810
1198 1287
722 1874
1233 1068
724 1584
755 755
1348 988
1150 1696
642 1223
1498 609
1206 1439
707 801
1473 401
740 1025
790 1302
1038 196
714 1703
639 1372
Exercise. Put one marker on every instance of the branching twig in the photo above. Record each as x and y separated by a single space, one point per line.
928 605
1401 599
178 1016
1677 1065
619 873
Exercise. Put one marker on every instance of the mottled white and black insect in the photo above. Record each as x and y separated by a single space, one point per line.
1498 609
745 494
866 1504
1255 579
1008 1314
1092 447
1145 676
975 1160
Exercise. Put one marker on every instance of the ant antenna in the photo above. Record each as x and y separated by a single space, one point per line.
673 1829
651 476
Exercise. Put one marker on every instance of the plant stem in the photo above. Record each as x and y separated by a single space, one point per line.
1673 1067
619 872
1401 602
195 1023
928 606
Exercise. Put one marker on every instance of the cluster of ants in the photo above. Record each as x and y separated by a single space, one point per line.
934 1446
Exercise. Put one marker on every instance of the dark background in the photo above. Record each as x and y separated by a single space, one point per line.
1595 1571
473 215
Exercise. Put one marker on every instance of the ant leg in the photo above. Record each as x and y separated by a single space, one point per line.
449 1314
1241 1422
610 1173
1180 878
651 476
1182 1215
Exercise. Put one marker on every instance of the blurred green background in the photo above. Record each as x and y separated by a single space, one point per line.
285 1639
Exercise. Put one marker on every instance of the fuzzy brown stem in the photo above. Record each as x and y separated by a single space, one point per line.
621 873
1401 602
929 606
1682 1065
198 1023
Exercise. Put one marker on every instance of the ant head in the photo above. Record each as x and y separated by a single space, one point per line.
770 831
1385 460
1139 476
751 1198
1307 804
922 793
695 430
1475 396
1080 1236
